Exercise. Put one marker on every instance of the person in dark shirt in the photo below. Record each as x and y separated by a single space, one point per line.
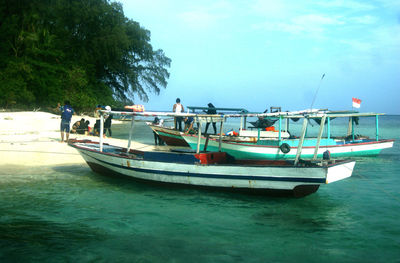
211 110
107 125
188 124
81 127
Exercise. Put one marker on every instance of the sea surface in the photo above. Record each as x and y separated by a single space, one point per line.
71 214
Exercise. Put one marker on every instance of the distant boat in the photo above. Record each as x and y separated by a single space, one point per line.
174 137
287 149
215 170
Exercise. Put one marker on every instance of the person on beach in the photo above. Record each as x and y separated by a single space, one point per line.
75 127
66 115
96 128
86 127
82 127
211 110
178 108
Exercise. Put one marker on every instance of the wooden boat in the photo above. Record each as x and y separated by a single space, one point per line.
174 137
210 169
169 135
287 148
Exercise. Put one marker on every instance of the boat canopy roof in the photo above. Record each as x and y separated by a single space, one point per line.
193 109
310 114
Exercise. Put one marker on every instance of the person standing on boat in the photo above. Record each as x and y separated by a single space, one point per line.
66 115
107 122
211 110
178 108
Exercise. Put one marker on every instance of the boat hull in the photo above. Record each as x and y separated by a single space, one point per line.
273 152
170 136
178 169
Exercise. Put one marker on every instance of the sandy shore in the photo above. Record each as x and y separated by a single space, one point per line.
33 139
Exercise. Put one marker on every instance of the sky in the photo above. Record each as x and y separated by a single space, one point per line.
254 54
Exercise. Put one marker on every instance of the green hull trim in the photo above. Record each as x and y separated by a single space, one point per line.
170 135
281 156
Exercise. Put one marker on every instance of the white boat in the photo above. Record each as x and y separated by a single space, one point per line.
210 169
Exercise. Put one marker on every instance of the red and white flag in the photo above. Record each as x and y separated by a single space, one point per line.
356 103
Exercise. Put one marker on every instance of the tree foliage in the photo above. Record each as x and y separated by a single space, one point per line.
85 51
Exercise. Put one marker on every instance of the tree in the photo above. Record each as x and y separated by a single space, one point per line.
84 51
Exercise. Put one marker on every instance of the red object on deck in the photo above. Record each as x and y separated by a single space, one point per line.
211 157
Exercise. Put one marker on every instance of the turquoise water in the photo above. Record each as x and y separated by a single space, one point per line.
70 214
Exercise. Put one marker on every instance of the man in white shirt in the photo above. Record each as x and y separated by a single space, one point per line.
178 108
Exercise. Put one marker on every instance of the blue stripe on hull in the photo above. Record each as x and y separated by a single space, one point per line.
214 176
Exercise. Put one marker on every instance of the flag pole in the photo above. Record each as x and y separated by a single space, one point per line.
315 96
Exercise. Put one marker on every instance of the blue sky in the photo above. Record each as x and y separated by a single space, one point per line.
255 54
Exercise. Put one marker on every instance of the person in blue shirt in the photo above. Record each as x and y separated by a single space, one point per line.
66 115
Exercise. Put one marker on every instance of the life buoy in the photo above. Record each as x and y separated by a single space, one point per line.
285 148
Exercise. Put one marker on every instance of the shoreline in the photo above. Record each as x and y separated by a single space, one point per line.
32 139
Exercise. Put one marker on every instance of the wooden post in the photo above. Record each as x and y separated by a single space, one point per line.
220 135
329 128
376 128
350 127
287 124
321 131
280 128
198 135
300 146
130 134
101 131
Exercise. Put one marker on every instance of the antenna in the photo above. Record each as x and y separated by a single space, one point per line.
319 85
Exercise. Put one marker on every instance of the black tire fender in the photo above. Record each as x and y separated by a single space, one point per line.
285 148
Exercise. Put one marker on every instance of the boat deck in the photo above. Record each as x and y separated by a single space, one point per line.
184 155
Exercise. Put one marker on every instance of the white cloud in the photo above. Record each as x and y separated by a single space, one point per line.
199 19
206 15
360 46
390 3
303 24
347 4
366 20
272 9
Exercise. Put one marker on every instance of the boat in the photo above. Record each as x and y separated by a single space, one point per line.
281 147
209 169
173 137
169 135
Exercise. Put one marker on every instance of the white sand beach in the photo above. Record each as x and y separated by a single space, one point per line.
33 139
